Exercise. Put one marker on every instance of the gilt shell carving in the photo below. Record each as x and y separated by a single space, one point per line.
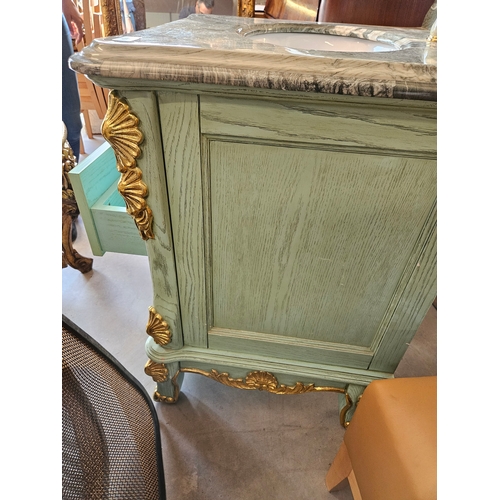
158 328
121 129
157 371
263 381
133 190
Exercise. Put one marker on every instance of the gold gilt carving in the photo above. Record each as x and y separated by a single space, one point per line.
158 328
262 381
70 211
257 380
167 399
133 190
246 8
111 15
157 371
120 128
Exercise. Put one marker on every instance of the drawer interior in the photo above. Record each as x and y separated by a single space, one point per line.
108 225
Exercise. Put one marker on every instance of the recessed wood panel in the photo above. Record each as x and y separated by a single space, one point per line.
309 243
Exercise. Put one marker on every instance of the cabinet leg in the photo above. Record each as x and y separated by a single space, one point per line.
353 392
336 479
70 212
69 255
168 378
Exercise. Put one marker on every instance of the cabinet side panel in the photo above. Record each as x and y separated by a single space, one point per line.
143 104
411 310
181 146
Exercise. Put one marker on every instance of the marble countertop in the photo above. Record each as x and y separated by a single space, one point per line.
218 50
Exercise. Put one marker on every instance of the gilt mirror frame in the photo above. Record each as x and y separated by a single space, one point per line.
111 17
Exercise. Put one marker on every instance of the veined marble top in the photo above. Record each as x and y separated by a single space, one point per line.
217 50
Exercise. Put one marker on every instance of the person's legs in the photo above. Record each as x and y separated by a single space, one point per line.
70 95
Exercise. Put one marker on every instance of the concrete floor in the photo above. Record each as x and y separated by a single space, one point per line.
219 442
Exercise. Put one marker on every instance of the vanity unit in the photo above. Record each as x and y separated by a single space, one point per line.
285 196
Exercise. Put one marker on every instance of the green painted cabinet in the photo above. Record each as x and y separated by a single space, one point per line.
291 236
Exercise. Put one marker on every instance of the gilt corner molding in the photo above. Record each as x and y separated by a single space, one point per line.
120 128
158 328
157 371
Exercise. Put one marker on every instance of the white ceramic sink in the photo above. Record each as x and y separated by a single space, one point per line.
318 41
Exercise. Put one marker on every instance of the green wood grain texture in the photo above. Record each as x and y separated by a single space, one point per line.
89 180
289 347
116 229
181 145
160 249
417 297
373 127
312 244
302 231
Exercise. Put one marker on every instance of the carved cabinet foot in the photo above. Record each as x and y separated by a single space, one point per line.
348 402
70 257
168 378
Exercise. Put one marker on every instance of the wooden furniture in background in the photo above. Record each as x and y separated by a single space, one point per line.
389 451
70 212
304 10
402 13
92 97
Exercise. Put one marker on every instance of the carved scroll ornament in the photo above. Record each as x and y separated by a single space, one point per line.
120 129
256 380
70 211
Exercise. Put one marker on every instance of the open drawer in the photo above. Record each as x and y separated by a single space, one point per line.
109 227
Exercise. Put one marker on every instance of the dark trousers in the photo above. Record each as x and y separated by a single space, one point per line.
70 95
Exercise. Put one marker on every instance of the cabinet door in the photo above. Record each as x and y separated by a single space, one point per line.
314 220
311 244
